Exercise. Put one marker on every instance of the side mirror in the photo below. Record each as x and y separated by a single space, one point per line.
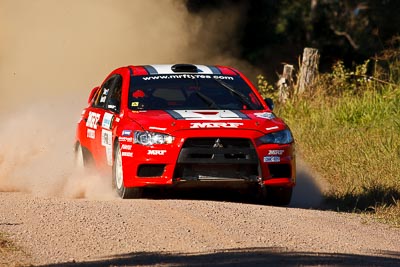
92 94
270 103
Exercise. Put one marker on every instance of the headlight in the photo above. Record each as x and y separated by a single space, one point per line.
281 137
151 138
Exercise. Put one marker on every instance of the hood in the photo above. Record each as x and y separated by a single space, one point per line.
170 121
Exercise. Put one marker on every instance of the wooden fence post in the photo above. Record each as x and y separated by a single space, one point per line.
285 83
309 69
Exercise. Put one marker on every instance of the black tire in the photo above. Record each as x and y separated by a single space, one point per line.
277 196
117 178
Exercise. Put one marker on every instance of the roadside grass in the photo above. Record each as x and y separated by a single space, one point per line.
348 130
360 160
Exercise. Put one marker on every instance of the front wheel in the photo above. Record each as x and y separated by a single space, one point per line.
118 177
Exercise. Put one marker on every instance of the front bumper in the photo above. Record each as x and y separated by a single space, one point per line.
210 160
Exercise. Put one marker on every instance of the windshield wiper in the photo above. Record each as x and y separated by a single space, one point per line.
239 95
207 100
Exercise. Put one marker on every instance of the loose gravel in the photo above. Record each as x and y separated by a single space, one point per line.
172 232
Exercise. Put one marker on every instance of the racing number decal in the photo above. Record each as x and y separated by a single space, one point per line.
92 120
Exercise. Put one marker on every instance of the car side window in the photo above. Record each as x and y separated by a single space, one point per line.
109 96
100 101
113 101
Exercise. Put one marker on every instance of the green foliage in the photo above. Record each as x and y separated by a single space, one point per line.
266 89
342 80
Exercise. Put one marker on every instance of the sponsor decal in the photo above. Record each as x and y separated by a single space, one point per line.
107 120
187 76
207 115
220 77
265 115
92 120
156 152
109 155
228 125
126 147
104 95
157 128
117 119
127 154
272 128
126 132
106 138
106 141
125 139
272 159
138 94
276 152
90 133
166 69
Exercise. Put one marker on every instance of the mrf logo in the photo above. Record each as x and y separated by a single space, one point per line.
203 125
156 152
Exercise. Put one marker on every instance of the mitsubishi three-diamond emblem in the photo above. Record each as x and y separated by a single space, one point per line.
218 144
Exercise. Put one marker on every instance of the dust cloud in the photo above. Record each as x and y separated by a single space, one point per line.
310 188
53 52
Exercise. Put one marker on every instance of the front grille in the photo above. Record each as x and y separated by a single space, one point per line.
218 158
218 150
151 170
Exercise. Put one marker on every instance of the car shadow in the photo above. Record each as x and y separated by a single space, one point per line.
268 256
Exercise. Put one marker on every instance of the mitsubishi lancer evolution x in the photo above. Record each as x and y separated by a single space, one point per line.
186 125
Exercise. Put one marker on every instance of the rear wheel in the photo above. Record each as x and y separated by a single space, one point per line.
118 178
78 160
82 158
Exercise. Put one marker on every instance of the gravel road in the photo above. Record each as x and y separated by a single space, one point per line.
56 217
199 230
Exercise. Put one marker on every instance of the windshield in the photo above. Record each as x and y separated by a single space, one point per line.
191 91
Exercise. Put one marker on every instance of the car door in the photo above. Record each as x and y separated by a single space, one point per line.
100 120
110 101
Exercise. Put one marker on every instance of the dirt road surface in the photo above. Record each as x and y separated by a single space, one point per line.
191 230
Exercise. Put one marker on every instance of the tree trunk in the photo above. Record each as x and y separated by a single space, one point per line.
309 69
285 83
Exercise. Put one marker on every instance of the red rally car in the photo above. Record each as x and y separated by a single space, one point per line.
186 125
